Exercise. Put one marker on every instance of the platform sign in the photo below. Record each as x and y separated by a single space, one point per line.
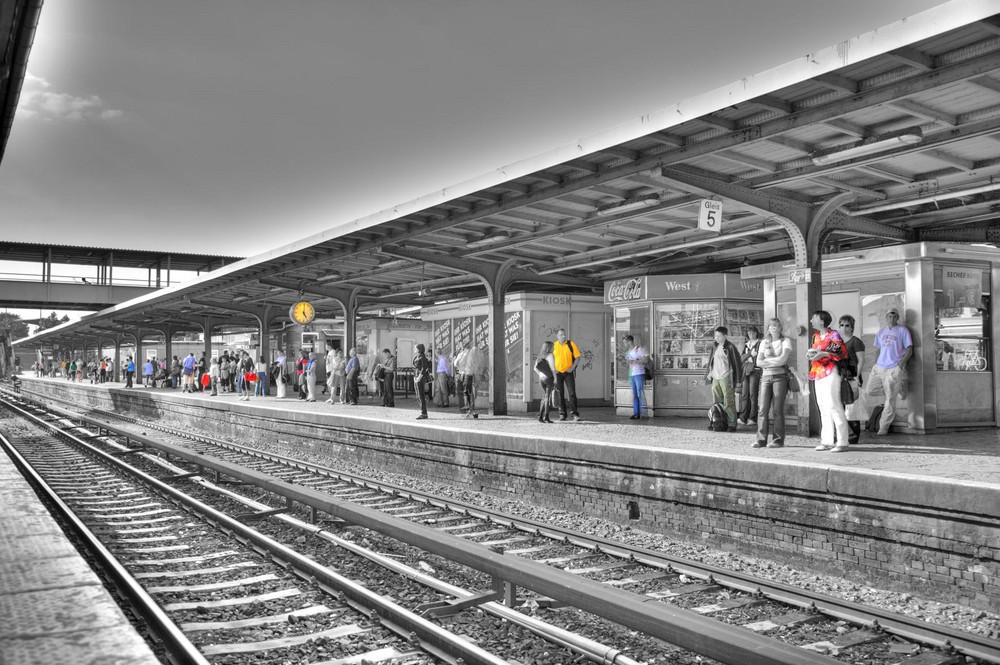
800 276
710 215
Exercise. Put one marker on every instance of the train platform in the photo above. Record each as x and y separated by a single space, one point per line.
53 607
962 456
914 511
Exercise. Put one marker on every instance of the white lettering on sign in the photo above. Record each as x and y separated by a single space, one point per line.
750 286
802 276
625 289
710 216
677 286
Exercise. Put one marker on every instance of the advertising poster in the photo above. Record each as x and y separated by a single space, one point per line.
461 333
442 337
514 345
481 335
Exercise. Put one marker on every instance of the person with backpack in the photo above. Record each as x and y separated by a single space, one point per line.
772 359
547 378
188 369
637 359
851 369
567 356
749 389
421 379
723 372
824 358
351 371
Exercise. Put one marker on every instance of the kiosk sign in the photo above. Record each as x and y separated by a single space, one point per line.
625 290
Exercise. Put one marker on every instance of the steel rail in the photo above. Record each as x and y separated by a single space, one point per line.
179 648
725 643
400 620
943 637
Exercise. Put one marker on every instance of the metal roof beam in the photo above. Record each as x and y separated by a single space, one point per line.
919 110
486 269
838 83
950 159
912 57
774 104
847 127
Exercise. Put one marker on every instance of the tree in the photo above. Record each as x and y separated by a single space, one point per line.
18 328
51 321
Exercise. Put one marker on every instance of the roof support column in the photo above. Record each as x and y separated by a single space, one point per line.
116 373
207 335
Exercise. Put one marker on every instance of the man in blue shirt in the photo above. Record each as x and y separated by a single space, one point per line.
895 346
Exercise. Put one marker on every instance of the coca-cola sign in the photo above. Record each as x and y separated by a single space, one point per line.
625 290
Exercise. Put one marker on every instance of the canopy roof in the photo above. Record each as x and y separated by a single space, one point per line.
893 137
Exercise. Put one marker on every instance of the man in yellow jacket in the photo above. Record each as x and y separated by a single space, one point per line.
566 355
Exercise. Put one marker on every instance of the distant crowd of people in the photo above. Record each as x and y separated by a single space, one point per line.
749 386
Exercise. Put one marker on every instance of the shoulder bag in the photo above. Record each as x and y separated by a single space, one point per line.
793 381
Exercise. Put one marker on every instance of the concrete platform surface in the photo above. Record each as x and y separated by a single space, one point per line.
53 607
969 456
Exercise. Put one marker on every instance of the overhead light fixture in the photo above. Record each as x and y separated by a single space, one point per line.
869 146
241 298
488 241
934 198
329 277
626 205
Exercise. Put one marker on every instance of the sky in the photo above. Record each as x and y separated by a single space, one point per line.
236 126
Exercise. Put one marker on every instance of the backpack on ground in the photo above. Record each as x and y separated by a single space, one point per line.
873 420
717 420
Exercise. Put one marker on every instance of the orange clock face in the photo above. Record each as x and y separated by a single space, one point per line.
302 312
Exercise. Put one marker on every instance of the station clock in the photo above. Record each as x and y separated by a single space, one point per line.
302 312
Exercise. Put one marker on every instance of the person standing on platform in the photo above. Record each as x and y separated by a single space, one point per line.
330 362
750 388
567 355
247 375
262 387
351 371
387 369
202 371
421 379
852 372
213 375
147 373
300 373
895 346
443 378
544 368
129 371
175 372
310 374
476 371
188 369
772 359
637 359
459 368
724 372
280 370
824 356
104 370
338 387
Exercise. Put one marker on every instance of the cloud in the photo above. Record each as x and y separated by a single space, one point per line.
39 101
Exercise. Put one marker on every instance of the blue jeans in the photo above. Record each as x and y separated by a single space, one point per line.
261 389
637 381
773 389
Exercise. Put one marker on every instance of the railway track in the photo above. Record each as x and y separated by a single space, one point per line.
746 613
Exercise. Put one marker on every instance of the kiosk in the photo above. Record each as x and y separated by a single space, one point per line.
674 318
943 292
530 319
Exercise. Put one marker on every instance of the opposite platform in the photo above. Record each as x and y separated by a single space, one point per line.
53 607
914 511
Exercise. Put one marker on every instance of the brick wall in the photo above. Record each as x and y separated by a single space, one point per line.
929 538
